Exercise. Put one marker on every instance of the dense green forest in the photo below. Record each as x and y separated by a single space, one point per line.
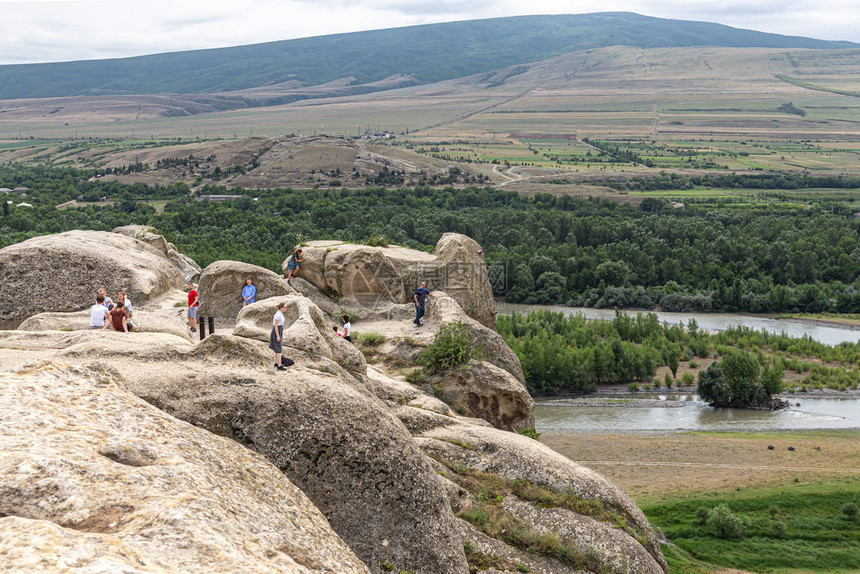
573 354
428 53
552 249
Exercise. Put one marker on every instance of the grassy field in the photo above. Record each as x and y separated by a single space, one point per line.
671 476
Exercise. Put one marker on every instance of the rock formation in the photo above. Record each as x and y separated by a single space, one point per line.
93 479
368 279
305 328
482 390
220 288
187 267
63 272
403 472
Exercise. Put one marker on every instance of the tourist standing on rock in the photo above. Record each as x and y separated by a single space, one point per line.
124 302
99 314
119 319
293 264
276 342
419 297
192 307
347 328
107 300
249 293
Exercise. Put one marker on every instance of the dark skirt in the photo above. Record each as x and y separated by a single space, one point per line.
274 344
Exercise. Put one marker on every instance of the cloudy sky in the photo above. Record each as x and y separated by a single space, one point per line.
56 30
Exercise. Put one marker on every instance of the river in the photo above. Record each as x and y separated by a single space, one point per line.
827 334
813 413
690 413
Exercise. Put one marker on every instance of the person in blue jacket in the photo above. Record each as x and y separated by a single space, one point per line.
419 298
249 293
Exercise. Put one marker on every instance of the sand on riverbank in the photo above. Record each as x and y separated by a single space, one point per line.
654 466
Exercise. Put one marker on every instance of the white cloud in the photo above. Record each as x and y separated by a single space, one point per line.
55 30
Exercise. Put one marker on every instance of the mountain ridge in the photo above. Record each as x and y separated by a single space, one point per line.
429 53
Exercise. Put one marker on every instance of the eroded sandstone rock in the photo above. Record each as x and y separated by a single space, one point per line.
220 288
63 272
305 328
93 479
369 279
185 265
334 440
482 390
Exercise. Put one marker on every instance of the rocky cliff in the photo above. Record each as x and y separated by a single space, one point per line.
386 475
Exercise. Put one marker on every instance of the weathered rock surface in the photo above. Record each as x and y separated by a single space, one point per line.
339 444
220 288
160 316
370 279
63 272
483 390
466 277
305 328
185 265
516 457
92 479
442 309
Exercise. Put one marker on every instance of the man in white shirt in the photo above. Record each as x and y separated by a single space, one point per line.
99 314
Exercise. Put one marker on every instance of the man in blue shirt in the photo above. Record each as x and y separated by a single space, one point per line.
249 293
419 297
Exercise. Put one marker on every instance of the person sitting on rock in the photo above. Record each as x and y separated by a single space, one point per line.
119 319
108 302
419 298
124 302
249 293
293 264
276 342
99 314
346 331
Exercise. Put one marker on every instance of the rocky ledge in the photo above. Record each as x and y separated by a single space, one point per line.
351 461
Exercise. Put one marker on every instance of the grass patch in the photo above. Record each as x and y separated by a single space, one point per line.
370 339
812 534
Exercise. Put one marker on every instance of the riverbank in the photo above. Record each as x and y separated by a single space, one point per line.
849 320
672 475
658 466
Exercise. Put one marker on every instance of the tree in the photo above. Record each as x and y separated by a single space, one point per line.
741 370
713 387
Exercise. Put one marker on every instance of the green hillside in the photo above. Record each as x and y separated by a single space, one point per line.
430 53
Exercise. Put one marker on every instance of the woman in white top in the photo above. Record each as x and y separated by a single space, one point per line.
276 338
347 328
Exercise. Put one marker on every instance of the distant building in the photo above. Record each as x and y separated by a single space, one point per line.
21 189
220 197
676 205
5 190
857 215
24 205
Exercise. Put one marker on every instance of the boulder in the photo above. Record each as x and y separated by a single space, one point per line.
220 288
185 265
482 390
93 479
339 444
442 309
305 328
514 457
372 281
161 316
466 278
63 272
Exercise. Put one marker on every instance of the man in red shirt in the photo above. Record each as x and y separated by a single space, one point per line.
192 307
119 319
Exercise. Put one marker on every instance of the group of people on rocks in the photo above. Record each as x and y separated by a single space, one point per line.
106 313
118 315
